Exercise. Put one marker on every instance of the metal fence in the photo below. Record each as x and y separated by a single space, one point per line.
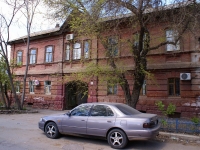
179 126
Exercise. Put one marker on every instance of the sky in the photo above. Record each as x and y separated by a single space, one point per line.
18 28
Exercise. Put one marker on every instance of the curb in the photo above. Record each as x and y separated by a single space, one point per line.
182 136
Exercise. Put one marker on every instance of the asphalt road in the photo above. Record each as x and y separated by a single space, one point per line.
20 132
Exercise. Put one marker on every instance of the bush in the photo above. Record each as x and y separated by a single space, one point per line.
195 120
171 108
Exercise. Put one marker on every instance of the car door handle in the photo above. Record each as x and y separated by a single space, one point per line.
109 121
82 120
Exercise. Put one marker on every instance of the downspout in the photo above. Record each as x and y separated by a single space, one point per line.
63 88
97 82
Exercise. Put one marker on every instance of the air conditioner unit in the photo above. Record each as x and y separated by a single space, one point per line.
69 37
185 76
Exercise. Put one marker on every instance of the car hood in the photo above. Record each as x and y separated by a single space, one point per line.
52 117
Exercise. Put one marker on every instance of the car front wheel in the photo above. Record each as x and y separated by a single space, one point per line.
51 130
117 139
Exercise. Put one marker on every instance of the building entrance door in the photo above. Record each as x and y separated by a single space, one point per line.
76 92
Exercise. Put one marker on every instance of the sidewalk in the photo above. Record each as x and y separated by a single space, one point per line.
179 137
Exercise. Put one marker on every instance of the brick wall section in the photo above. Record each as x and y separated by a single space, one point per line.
161 64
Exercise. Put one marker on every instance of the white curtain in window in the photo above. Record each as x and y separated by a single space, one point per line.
171 36
77 51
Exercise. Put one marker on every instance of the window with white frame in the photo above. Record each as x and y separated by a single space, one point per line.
86 49
67 52
143 90
171 36
31 86
77 51
49 54
19 57
112 88
136 40
113 46
17 86
47 87
33 54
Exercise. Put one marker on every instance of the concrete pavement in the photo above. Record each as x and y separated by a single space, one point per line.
20 132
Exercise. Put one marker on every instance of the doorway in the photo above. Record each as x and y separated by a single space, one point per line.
76 93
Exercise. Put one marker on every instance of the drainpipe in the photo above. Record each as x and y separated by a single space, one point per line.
97 64
62 61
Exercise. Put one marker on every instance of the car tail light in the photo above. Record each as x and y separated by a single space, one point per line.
150 124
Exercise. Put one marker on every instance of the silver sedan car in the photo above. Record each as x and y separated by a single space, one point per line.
116 122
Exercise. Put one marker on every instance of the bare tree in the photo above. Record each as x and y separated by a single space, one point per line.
5 24
29 11
96 18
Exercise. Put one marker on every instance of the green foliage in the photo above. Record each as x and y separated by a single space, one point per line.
170 109
166 111
103 72
1 104
195 120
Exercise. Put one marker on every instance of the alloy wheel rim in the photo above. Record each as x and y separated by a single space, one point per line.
51 131
116 139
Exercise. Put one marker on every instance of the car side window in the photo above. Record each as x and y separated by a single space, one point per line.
101 110
109 112
82 110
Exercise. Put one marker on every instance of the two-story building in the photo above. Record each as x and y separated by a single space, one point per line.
57 53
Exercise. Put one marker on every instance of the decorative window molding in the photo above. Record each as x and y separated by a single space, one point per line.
33 56
67 52
86 46
77 51
113 48
171 36
49 54
17 86
31 87
19 57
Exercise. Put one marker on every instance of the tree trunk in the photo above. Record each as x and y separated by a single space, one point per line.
2 95
12 85
7 97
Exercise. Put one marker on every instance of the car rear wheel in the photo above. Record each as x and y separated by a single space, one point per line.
117 139
51 130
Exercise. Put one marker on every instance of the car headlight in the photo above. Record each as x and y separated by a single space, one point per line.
41 119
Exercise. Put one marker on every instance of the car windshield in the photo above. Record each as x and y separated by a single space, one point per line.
127 110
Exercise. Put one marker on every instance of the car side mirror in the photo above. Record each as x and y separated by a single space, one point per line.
68 113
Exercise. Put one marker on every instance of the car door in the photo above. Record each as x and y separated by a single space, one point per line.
76 121
100 120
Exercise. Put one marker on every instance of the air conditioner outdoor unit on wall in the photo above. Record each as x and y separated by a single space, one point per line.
69 36
185 76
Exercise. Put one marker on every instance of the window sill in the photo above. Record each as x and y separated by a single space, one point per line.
173 96
32 93
32 65
47 93
48 63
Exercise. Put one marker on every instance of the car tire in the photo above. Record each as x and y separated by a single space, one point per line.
117 139
51 130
